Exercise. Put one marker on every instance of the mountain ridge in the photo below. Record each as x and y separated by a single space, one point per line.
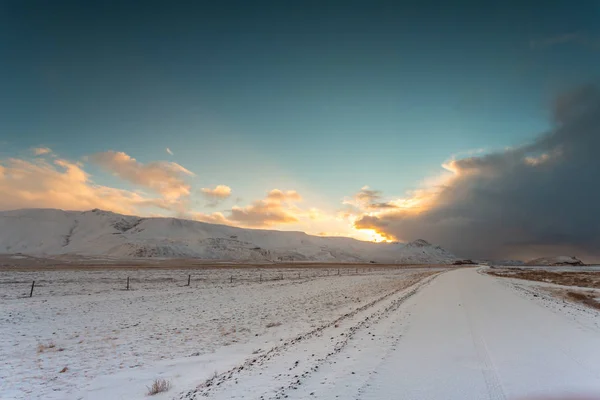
103 233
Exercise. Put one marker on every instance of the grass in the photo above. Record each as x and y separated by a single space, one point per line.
586 299
574 278
158 386
273 324
43 347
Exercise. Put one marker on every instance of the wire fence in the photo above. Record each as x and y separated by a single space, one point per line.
19 284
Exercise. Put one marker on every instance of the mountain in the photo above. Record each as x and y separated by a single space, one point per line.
555 261
50 232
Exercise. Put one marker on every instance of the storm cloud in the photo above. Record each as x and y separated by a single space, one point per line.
542 198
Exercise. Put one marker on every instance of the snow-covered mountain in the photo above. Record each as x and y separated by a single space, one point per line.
101 233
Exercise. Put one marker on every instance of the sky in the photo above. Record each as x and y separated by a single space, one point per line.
370 119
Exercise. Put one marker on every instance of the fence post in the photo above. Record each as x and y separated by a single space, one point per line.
127 283
189 279
231 279
32 285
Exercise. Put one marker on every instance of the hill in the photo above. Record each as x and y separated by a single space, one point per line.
555 261
50 232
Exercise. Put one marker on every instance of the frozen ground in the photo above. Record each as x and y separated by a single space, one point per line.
86 321
394 334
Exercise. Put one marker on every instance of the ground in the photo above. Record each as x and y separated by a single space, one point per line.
367 333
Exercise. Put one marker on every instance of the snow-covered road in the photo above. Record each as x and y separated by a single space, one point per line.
471 337
463 335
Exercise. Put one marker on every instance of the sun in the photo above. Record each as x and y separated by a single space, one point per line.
370 235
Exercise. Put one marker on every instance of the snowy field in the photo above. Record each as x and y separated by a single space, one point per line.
86 322
421 333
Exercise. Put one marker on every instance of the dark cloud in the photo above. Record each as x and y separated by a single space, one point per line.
542 198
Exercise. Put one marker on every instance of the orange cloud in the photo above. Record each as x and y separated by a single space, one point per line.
63 184
219 192
166 178
278 196
212 218
276 208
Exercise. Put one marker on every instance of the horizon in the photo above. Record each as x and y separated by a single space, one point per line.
471 127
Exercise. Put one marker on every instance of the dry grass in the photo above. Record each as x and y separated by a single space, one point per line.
585 279
584 298
159 386
273 324
43 347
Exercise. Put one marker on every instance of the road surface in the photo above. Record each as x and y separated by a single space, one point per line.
461 335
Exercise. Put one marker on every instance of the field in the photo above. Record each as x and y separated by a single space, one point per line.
86 322
294 332
579 285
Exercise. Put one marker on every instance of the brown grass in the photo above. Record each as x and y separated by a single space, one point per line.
585 279
159 386
43 347
584 298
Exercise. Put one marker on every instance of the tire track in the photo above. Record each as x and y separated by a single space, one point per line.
210 386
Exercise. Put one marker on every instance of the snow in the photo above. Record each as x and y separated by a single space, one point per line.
127 338
47 232
463 335
423 333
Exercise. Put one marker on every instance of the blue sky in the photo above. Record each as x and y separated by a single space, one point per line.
318 97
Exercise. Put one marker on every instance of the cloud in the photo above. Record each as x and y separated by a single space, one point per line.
212 218
368 199
166 178
168 150
40 151
216 195
63 184
219 192
578 38
537 199
276 208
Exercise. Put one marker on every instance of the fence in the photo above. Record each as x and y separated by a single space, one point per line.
82 282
